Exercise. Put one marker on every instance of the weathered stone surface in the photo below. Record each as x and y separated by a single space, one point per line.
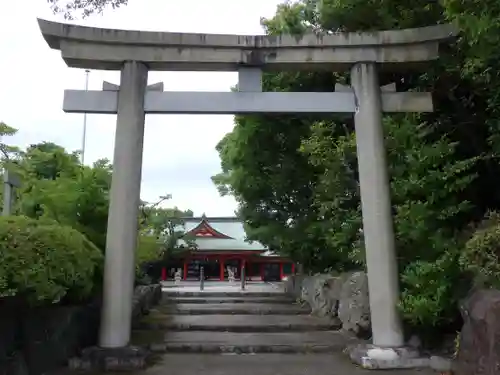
265 364
354 305
94 48
16 365
235 309
145 297
374 358
37 340
322 293
479 351
229 342
344 296
441 364
278 300
110 359
238 323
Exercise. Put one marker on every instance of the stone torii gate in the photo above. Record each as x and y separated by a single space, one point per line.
134 53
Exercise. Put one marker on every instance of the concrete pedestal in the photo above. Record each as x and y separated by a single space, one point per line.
121 240
376 206
373 357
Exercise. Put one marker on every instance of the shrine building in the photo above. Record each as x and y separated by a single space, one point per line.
221 243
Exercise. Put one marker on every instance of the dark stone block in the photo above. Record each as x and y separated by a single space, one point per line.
35 340
110 359
479 351
15 365
156 294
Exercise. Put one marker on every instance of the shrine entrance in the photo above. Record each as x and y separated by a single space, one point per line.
135 53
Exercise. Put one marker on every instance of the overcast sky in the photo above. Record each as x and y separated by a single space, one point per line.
179 150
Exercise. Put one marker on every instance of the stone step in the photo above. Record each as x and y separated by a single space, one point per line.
236 323
220 294
234 309
265 364
246 343
279 299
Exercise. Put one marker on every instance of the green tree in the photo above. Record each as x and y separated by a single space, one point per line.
167 227
285 170
71 9
58 187
8 152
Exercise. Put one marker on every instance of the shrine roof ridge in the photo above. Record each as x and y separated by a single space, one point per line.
211 218
55 32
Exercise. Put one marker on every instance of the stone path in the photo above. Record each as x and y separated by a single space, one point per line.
263 364
222 331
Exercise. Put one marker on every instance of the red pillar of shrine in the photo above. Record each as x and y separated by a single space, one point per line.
293 268
163 273
221 268
262 271
185 272
282 275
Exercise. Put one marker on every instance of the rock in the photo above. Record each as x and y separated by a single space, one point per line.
145 297
354 304
414 342
440 364
325 293
327 296
315 292
479 351
110 359
322 303
156 294
293 285
16 366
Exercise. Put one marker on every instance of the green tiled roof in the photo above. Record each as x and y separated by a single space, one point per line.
231 227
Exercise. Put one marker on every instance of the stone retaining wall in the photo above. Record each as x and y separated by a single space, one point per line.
343 297
36 340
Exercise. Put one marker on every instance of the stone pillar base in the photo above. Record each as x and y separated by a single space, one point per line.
95 358
371 357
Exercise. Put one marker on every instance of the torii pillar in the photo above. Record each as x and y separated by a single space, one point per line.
124 203
121 239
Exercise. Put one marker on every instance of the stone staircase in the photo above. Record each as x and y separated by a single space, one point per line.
237 323
245 333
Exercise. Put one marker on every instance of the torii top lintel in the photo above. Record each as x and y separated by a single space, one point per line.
96 48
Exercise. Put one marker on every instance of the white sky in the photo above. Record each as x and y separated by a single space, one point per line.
179 153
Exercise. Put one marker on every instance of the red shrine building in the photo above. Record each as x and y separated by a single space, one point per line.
221 243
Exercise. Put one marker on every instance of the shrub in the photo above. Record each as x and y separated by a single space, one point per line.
148 252
44 262
482 250
430 292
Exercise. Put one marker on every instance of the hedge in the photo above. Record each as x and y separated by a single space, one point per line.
43 262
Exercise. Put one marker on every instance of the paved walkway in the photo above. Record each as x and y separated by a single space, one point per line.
264 364
222 331
251 287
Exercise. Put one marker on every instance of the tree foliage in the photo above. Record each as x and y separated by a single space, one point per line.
72 9
167 227
58 192
295 177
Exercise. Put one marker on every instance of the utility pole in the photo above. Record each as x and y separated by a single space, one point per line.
84 135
